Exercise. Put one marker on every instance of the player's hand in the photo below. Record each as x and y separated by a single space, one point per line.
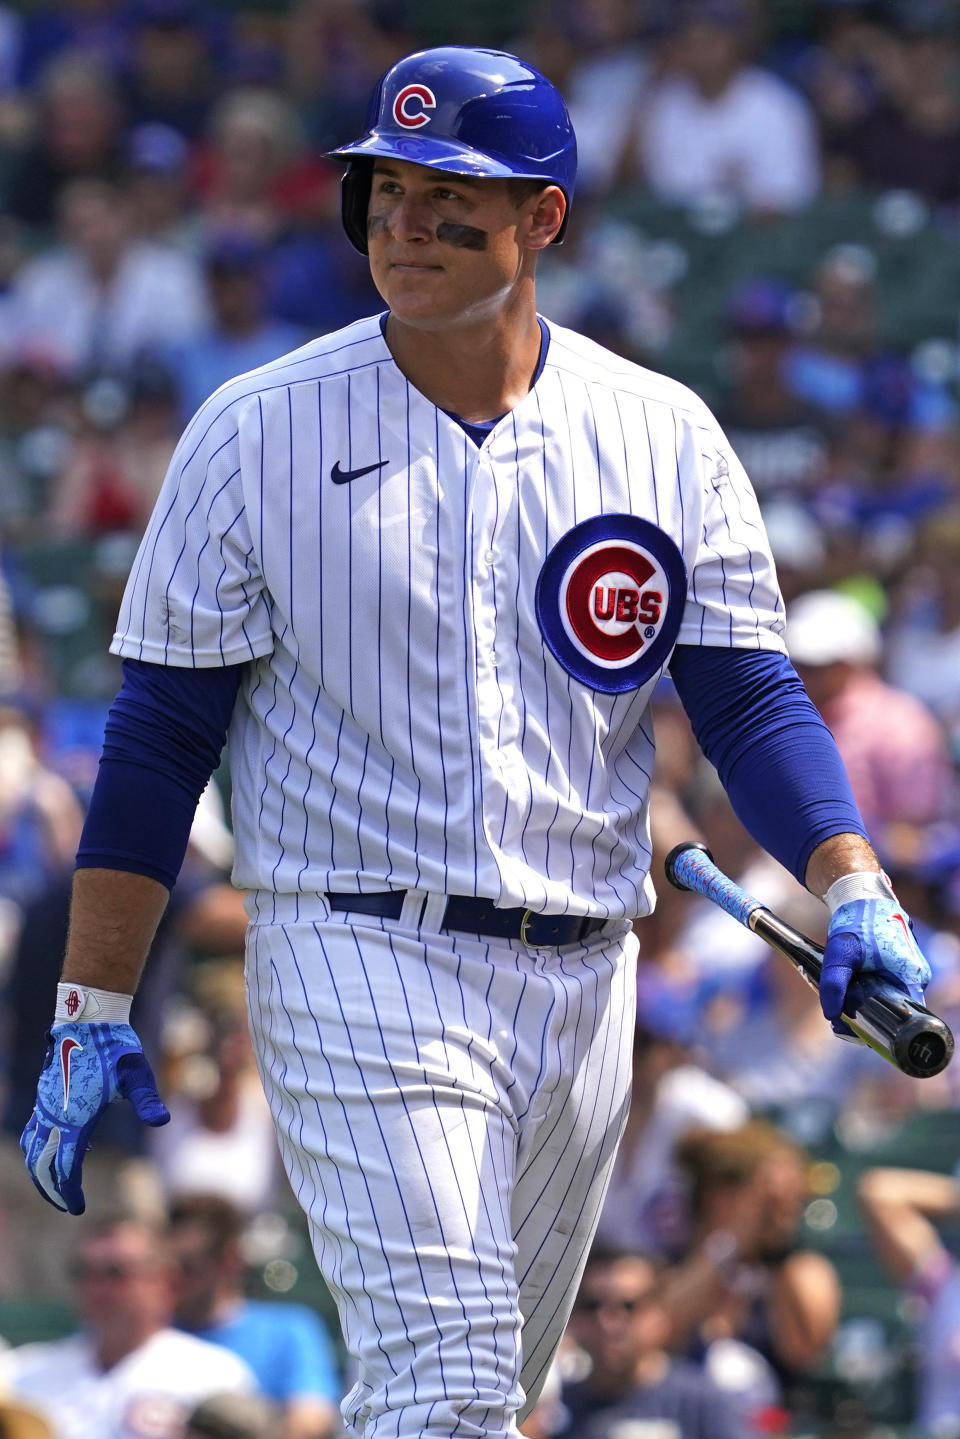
870 937
87 1066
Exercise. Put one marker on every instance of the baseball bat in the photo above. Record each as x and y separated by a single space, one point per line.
911 1037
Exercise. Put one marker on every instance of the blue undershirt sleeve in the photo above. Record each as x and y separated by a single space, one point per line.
162 741
776 759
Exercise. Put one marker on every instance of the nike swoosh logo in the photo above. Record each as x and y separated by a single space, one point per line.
901 921
343 477
67 1047
43 1171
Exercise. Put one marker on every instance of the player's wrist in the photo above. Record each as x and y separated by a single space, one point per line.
85 1004
867 884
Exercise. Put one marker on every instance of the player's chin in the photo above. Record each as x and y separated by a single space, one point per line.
419 304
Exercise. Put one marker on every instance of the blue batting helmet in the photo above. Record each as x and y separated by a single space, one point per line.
466 111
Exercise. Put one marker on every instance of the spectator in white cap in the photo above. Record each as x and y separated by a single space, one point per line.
894 750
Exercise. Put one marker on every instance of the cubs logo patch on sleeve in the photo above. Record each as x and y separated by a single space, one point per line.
609 601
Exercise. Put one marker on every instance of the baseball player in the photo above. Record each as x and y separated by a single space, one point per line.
427 572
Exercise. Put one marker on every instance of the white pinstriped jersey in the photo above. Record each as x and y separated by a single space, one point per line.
423 707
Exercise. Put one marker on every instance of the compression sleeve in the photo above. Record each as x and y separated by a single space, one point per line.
776 759
162 741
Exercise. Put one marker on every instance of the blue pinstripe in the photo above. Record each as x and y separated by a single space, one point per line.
498 1315
283 790
610 1128
441 756
396 1177
411 641
360 1170
544 1178
222 576
319 1116
295 1151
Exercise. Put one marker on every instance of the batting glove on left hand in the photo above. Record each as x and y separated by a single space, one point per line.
869 935
87 1066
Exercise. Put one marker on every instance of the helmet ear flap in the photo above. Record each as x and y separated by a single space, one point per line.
355 185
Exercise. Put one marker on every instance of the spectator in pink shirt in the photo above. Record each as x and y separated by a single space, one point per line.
894 750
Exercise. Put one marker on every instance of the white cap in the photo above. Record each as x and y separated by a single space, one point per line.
824 627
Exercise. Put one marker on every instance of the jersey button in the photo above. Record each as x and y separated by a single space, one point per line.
490 556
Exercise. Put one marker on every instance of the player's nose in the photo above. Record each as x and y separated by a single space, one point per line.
411 219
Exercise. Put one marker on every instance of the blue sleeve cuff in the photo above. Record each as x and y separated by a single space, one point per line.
776 759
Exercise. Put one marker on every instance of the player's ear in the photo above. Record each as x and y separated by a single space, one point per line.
543 215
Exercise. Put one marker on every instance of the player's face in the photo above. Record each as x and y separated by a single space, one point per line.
447 250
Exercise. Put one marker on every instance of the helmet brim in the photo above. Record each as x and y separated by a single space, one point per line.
447 155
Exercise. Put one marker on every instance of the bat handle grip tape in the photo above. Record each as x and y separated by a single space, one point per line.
691 866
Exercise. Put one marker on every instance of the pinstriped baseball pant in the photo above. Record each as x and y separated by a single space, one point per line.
448 1110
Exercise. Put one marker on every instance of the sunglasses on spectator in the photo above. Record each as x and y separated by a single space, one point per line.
593 1305
118 1269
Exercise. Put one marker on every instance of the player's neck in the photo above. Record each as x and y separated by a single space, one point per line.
478 371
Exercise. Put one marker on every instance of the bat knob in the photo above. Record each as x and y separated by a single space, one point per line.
924 1048
670 863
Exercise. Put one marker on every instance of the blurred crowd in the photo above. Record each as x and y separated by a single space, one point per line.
758 182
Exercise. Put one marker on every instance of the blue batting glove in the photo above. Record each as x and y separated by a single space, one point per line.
87 1067
868 935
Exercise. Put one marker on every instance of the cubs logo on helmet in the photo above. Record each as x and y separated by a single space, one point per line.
609 601
412 104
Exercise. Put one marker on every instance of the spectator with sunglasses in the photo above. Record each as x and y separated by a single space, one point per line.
126 1373
292 1356
620 1324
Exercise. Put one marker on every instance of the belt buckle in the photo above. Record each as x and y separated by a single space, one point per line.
525 922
